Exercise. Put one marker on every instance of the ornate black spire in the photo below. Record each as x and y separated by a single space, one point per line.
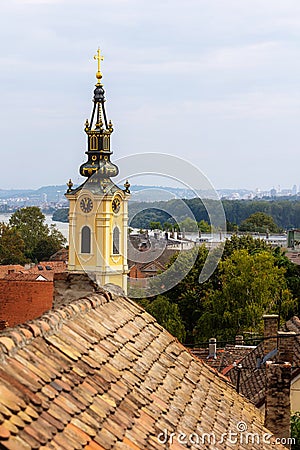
98 131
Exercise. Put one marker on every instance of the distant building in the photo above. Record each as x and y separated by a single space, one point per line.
293 238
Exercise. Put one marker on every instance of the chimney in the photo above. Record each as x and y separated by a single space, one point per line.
278 385
239 339
270 331
212 349
285 346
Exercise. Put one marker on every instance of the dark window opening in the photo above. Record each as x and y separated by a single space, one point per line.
85 240
116 241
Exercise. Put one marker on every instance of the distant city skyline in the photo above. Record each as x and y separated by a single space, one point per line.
216 83
53 196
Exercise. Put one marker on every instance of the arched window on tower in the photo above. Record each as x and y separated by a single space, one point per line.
116 241
94 143
85 240
105 143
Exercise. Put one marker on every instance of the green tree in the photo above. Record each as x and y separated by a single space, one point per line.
155 225
295 430
168 226
188 224
167 314
250 286
259 222
45 248
30 223
11 246
292 274
204 226
188 292
247 242
231 226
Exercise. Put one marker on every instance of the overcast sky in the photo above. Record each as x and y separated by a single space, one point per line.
216 82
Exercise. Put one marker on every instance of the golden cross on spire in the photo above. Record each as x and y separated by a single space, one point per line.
99 58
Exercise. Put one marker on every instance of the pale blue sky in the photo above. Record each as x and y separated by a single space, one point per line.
216 82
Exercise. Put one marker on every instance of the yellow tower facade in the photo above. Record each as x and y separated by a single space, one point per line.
98 214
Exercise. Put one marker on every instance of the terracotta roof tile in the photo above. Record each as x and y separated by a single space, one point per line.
65 442
7 344
19 443
94 446
77 435
99 374
25 417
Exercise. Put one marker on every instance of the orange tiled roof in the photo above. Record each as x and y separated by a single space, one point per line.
55 266
28 276
100 373
44 268
47 269
4 270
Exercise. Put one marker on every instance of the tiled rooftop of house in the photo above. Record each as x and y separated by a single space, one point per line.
293 256
27 276
225 357
100 373
6 269
48 269
252 379
44 268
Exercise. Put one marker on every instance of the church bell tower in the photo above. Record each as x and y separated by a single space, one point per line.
98 214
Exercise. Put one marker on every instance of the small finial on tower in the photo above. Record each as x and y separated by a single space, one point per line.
70 185
127 186
99 58
110 126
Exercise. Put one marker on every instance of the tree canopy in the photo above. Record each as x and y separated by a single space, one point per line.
11 246
259 222
40 240
285 213
168 315
251 279
250 286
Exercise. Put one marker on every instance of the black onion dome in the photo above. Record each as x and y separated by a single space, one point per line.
99 94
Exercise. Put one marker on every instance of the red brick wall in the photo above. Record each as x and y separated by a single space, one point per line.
135 273
24 300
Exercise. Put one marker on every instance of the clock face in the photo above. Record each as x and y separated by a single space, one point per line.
116 203
86 204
